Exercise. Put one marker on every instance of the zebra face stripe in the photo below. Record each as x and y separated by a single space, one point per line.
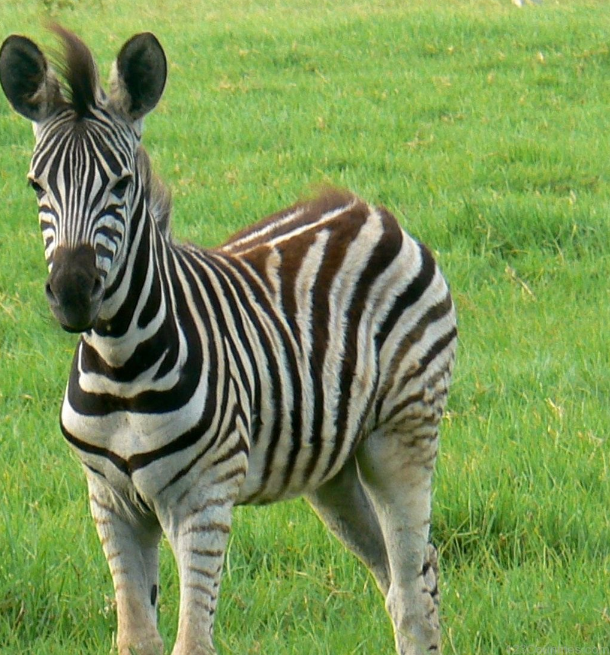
84 175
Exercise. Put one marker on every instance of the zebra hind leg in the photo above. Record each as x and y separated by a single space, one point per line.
343 505
430 573
397 466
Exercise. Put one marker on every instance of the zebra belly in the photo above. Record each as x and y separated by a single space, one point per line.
297 464
309 438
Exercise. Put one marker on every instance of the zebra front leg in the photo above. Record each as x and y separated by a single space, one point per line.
130 541
198 530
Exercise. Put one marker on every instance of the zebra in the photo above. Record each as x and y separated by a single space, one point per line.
309 355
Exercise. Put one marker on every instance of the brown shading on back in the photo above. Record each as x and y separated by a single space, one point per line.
309 212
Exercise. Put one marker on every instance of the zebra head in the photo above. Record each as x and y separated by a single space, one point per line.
84 168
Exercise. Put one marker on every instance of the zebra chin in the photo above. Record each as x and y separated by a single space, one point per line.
74 322
74 288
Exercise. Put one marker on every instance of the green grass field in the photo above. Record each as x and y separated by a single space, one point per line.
484 127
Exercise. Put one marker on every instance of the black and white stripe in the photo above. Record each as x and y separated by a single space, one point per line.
310 354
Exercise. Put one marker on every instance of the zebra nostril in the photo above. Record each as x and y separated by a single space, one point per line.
49 293
97 289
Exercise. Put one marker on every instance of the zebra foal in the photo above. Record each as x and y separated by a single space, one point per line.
309 355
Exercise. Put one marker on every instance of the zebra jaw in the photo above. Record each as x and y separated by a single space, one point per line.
74 288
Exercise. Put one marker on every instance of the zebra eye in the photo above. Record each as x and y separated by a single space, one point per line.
38 190
121 186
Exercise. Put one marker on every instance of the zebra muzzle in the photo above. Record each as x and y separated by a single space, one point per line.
74 288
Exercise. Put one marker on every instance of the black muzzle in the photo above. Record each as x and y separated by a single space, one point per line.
74 288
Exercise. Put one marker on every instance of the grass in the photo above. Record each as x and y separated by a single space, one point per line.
483 127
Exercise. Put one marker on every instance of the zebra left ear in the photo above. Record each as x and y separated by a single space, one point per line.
138 76
27 80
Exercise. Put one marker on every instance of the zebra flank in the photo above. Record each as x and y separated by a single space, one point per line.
309 355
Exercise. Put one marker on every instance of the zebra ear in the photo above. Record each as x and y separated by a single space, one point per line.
138 76
27 80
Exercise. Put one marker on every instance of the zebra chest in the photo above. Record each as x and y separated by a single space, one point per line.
127 448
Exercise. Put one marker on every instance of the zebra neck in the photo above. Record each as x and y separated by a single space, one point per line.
136 321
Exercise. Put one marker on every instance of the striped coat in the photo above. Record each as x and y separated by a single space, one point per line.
309 355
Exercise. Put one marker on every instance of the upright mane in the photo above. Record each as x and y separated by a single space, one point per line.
79 72
158 196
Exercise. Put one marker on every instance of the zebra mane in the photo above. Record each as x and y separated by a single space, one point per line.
79 71
158 196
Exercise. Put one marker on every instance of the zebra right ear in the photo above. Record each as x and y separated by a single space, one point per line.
138 76
27 81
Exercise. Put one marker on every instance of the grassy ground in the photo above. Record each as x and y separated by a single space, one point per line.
484 127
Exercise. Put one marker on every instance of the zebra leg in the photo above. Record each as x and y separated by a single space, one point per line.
130 542
397 467
343 505
198 531
430 573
